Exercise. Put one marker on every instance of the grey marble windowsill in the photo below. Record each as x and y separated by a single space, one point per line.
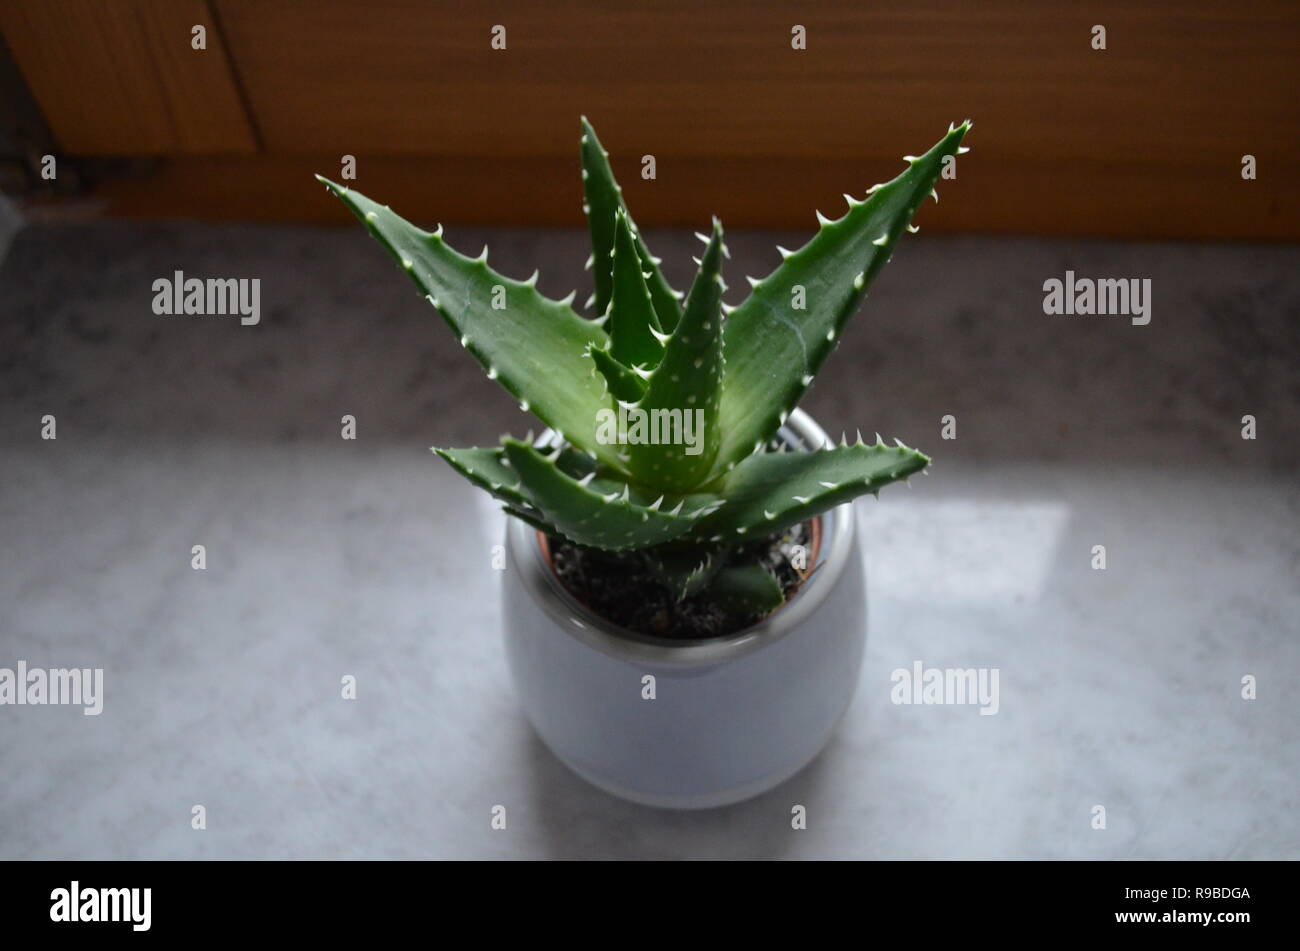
371 558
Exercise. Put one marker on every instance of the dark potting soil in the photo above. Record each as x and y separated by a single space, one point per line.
621 588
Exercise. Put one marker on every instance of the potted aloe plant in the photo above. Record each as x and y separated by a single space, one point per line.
684 605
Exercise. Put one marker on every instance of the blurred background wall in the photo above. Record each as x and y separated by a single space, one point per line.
1143 138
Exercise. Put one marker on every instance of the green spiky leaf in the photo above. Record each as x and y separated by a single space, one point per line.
623 382
748 590
632 323
535 347
686 383
532 520
771 491
487 469
604 197
603 513
685 571
773 349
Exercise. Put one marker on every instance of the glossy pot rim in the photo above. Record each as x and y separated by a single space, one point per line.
580 622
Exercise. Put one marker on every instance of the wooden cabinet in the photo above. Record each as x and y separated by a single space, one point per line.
1144 137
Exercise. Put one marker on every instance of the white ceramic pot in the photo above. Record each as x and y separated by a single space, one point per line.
731 717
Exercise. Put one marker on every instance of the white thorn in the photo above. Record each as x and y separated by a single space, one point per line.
482 255
852 202
601 321
882 240
586 480
860 281
567 301
625 495
532 281
806 379
431 299
768 515
590 300
437 232
912 229
822 220
662 338
962 150
492 373
591 259
727 309
370 216
464 340
829 485
523 405
702 237
753 281
406 263
872 190
783 252
678 511
696 260
611 497
879 441
935 195
800 499
654 506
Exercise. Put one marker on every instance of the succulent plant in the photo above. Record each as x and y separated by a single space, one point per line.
718 381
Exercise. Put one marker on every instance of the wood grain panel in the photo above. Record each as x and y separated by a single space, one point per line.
1177 82
1138 200
120 78
1144 138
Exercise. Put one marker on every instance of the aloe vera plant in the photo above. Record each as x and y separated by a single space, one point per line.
685 364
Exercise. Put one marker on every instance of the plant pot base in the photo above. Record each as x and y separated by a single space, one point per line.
688 723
